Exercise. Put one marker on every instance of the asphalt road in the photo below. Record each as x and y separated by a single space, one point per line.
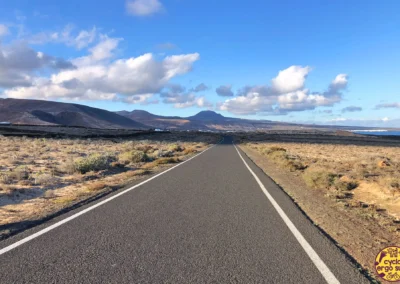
206 221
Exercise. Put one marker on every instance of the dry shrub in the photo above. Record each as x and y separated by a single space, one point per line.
19 173
134 173
319 178
161 161
26 182
45 179
94 162
281 156
274 149
189 150
49 194
163 153
144 148
342 185
96 186
175 148
117 164
384 162
295 165
5 178
68 167
133 156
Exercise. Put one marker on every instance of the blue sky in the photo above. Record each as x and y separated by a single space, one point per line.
334 62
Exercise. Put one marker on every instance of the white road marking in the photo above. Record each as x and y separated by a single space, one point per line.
312 254
58 224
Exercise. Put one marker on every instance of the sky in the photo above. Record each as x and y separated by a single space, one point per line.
323 62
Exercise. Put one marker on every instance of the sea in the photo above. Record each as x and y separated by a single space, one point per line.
377 132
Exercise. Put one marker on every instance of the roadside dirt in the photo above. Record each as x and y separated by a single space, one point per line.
361 232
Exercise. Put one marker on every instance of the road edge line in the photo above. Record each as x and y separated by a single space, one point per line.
90 208
312 254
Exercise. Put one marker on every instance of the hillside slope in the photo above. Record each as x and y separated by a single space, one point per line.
37 112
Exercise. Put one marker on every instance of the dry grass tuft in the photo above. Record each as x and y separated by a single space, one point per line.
342 169
96 186
133 156
38 176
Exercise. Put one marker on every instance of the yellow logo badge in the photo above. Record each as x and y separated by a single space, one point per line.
387 264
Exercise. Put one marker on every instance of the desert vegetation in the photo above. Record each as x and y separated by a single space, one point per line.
354 175
39 176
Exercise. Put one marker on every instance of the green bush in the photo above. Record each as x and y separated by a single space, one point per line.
94 162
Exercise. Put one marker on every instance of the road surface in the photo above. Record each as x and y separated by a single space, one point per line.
205 221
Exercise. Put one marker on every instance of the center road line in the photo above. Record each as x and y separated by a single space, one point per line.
58 224
312 254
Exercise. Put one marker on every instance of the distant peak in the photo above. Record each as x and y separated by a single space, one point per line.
140 111
207 115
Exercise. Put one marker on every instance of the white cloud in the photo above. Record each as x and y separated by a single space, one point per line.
202 102
103 50
137 99
286 94
302 100
84 38
3 30
290 79
192 100
79 40
251 103
19 62
179 64
180 98
143 7
98 77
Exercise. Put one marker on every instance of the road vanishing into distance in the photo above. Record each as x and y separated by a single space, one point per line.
216 218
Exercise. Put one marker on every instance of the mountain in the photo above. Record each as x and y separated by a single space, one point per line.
204 120
207 115
155 121
38 112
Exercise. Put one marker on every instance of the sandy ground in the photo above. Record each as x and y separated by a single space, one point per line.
363 229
